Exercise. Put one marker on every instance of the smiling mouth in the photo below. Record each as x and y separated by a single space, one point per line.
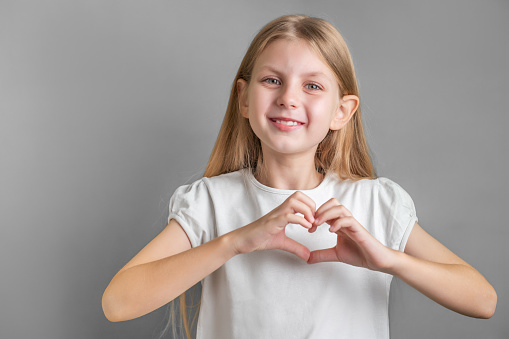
287 122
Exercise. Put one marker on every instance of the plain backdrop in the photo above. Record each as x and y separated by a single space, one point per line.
108 106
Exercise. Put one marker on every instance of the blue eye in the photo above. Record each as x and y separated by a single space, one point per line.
312 86
272 81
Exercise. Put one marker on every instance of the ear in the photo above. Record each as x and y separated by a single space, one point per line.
348 104
243 102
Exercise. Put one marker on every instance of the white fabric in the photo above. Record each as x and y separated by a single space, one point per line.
274 294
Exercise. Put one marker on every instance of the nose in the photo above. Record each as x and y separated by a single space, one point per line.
288 97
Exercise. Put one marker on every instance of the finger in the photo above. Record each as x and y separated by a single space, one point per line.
299 196
346 223
328 254
296 248
297 219
354 230
326 213
298 206
305 199
313 228
331 203
330 214
328 204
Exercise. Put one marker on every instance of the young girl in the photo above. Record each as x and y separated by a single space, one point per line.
290 231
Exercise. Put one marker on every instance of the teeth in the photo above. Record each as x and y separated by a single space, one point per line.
289 123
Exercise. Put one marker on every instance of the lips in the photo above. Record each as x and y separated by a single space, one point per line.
286 124
286 121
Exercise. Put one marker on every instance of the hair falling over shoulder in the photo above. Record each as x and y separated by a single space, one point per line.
344 152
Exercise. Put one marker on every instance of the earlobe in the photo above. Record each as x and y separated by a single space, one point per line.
242 93
347 107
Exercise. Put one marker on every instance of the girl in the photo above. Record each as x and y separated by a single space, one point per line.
290 231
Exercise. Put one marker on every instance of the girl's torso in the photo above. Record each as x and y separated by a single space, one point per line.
274 294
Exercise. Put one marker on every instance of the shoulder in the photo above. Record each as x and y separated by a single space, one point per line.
200 198
391 192
227 180
397 205
383 187
380 191
212 185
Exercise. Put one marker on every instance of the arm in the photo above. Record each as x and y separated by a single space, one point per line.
438 273
155 276
168 266
426 265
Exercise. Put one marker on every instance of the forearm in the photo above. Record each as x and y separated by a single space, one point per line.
456 286
141 289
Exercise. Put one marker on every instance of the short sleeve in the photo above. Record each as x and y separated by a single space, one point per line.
398 209
192 207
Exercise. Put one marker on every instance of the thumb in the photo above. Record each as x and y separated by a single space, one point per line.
296 248
328 254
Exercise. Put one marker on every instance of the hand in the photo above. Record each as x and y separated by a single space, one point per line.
268 232
355 245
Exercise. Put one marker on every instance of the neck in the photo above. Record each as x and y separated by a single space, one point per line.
290 173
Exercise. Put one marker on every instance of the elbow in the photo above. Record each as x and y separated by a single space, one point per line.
486 304
108 309
488 312
111 308
490 305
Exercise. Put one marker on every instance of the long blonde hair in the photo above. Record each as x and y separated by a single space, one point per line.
344 151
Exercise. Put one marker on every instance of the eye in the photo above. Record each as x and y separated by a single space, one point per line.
313 87
272 81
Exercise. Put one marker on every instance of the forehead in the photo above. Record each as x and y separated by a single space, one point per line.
295 55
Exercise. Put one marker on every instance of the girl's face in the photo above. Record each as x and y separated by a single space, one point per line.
292 99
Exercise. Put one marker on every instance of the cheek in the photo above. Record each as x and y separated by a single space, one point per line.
323 113
260 99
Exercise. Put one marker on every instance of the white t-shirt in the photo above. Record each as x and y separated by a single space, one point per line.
274 294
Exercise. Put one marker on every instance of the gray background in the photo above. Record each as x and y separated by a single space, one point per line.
108 106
